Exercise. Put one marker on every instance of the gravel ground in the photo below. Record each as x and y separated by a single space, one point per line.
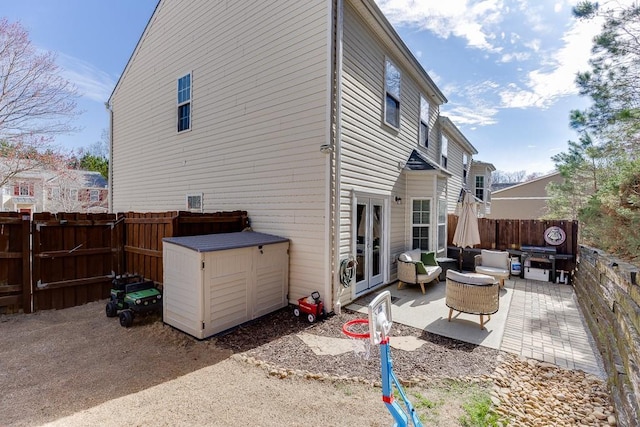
75 367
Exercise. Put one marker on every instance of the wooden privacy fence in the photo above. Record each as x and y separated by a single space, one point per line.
504 234
144 233
512 234
67 259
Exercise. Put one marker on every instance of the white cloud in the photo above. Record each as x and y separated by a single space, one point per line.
555 79
92 83
473 21
463 115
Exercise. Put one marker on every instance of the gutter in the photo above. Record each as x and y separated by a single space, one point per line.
337 147
109 108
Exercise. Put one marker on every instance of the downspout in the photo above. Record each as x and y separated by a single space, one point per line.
338 289
109 108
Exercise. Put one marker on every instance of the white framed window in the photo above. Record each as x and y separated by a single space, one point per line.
54 193
184 103
423 136
444 152
442 225
465 167
480 187
194 202
420 223
23 189
73 195
392 95
94 195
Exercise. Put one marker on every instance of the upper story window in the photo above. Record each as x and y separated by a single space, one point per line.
94 195
184 103
424 123
23 189
465 168
444 151
392 95
480 187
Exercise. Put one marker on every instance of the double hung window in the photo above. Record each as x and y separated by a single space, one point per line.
184 103
392 95
421 223
424 123
480 187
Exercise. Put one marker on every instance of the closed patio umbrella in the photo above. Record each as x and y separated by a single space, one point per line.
467 233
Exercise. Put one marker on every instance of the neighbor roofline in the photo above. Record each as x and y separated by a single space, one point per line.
449 125
540 178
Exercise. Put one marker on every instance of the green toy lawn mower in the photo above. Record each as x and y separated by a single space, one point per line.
130 296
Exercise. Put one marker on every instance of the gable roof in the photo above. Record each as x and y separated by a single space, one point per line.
418 162
459 136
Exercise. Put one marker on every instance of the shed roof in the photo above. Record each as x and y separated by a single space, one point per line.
224 241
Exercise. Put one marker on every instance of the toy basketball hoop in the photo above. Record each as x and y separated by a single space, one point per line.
375 330
379 321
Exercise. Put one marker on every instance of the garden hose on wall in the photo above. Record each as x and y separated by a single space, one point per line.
347 273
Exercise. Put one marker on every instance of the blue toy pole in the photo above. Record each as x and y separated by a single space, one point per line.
389 379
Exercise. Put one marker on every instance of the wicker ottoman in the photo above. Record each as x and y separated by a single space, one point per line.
472 293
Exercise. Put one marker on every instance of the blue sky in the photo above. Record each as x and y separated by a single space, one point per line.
507 67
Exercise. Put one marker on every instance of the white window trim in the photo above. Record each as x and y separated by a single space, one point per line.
94 195
429 226
441 203
424 120
475 186
189 208
179 104
386 92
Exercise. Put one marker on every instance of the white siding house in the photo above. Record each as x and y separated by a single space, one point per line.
312 116
480 185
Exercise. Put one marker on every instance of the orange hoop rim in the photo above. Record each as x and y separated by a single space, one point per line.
347 332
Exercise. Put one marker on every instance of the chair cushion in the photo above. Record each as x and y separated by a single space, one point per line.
492 271
428 258
410 256
432 272
471 278
420 269
497 259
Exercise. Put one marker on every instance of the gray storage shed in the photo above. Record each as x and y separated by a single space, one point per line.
214 282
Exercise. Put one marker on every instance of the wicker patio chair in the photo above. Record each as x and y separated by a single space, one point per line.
472 293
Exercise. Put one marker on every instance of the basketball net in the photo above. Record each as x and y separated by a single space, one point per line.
358 331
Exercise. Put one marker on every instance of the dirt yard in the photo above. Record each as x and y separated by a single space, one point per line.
55 364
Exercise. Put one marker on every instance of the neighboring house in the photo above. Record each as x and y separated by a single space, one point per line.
76 191
314 117
480 186
61 191
23 193
526 200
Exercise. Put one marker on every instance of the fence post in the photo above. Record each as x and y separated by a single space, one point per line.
27 301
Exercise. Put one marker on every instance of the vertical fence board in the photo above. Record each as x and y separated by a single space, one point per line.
14 266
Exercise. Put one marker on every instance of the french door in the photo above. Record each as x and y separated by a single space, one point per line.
370 243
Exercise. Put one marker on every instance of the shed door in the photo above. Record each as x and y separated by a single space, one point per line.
227 278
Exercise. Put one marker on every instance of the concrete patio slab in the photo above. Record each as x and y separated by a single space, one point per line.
430 313
536 319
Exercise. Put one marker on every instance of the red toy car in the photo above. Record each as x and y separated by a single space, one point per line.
312 306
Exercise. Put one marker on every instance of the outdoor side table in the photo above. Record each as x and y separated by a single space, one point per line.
446 264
